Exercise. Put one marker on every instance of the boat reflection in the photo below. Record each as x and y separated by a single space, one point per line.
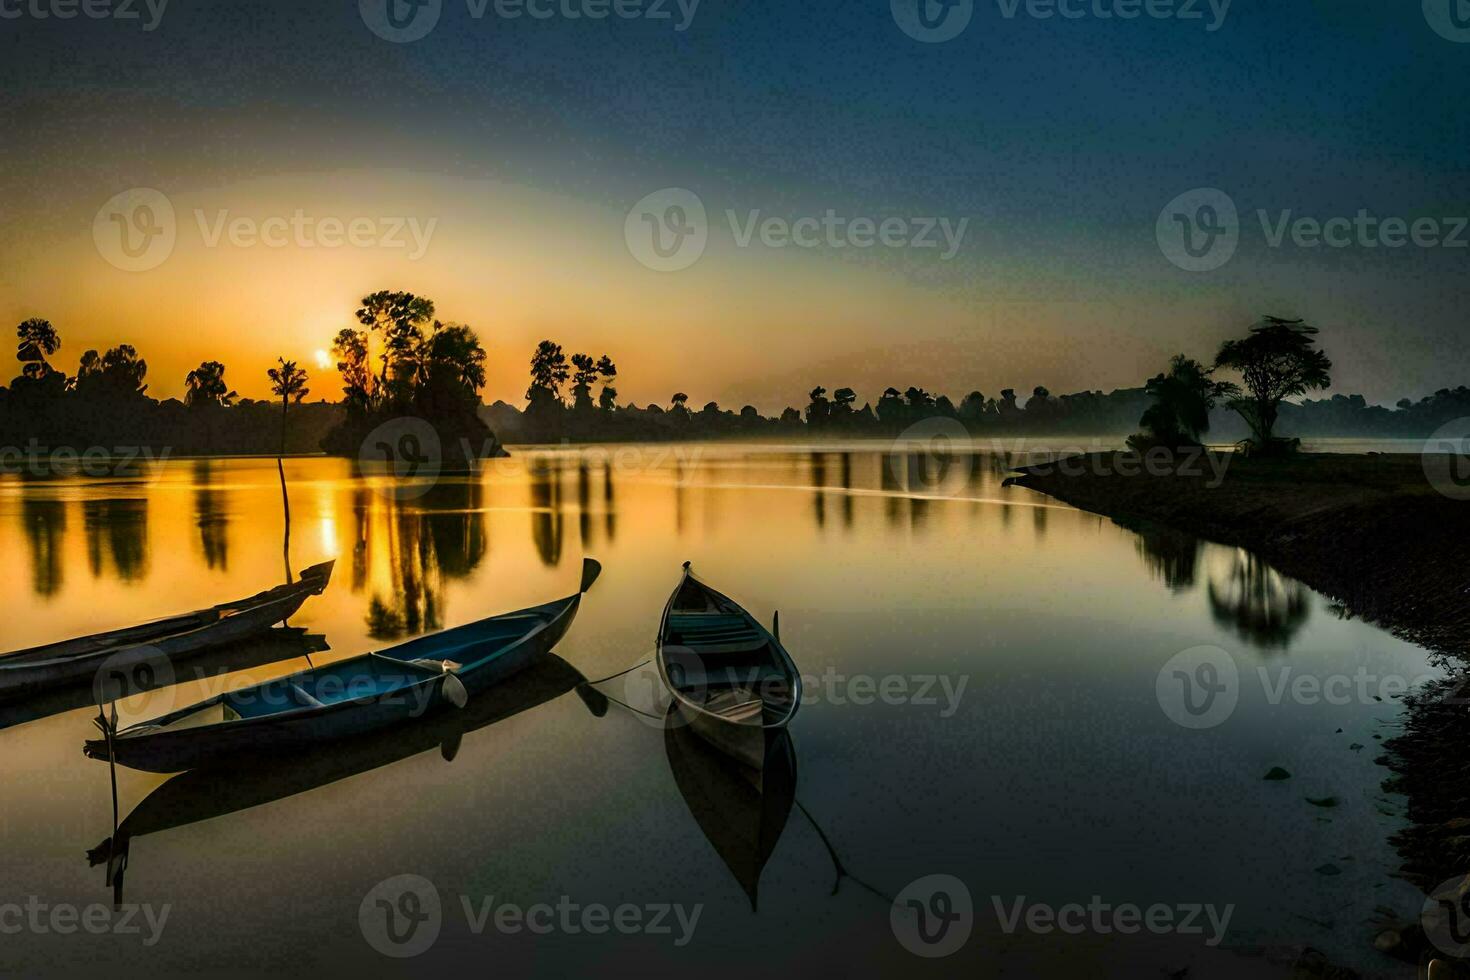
268 647
741 811
216 791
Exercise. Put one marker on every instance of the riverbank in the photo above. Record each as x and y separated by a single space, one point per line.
1369 531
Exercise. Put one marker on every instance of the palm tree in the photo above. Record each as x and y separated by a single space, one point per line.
289 382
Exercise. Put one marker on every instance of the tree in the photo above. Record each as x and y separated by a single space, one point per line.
288 383
819 410
398 318
206 386
678 400
842 400
452 353
972 407
1279 360
890 407
607 399
351 350
111 378
583 379
549 372
38 341
1182 402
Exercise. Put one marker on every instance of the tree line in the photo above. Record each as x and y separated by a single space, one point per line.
401 360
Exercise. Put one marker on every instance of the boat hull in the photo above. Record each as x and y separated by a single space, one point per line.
121 664
294 731
688 667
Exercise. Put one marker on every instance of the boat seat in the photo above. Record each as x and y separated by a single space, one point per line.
306 700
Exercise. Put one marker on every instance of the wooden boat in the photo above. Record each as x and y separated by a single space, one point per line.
741 811
163 641
732 681
244 783
351 697
266 647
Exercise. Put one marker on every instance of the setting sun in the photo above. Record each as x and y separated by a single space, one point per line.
323 360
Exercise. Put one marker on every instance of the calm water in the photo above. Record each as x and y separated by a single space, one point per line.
1055 774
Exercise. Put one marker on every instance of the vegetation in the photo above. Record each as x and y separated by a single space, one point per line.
1279 360
400 360
426 369
1180 413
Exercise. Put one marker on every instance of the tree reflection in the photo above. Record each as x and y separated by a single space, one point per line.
210 516
44 522
407 549
117 531
1171 556
1264 608
547 513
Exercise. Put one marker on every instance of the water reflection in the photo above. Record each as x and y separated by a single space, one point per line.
207 793
741 811
210 516
116 531
547 517
44 524
1171 556
1263 607
407 548
609 513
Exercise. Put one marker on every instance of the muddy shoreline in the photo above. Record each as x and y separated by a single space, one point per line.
1371 532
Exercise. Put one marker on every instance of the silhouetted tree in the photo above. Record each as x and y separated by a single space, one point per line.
351 350
607 399
819 410
112 379
288 383
1277 361
38 341
206 387
1181 409
398 319
583 378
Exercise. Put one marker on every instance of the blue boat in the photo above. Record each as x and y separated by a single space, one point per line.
351 697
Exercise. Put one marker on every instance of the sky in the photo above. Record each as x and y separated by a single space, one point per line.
183 177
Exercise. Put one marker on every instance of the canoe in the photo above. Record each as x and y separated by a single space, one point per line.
266 647
245 783
157 645
351 697
732 681
741 811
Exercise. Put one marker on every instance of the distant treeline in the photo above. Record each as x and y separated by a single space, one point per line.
402 362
